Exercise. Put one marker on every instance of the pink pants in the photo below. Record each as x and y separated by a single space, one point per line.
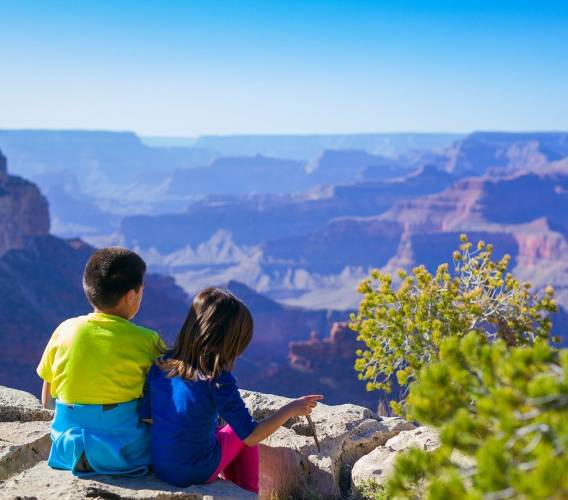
239 462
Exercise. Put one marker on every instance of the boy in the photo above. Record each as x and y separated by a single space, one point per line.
94 366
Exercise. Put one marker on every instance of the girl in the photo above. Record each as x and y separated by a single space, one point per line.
191 386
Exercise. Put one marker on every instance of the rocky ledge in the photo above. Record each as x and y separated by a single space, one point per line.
291 465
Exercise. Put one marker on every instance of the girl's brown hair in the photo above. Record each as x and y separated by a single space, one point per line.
218 328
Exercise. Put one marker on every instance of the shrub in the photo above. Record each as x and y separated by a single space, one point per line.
370 490
504 409
403 328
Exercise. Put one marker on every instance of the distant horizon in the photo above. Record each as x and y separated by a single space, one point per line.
280 134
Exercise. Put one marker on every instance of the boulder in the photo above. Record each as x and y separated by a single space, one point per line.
425 438
22 444
378 464
43 482
20 406
290 464
24 447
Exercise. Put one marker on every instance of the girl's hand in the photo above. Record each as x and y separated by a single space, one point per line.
303 406
296 408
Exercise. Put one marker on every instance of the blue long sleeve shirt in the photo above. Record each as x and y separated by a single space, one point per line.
185 413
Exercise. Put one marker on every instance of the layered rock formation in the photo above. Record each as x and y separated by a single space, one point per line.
290 464
327 250
97 159
256 218
3 168
340 166
23 210
112 174
480 152
275 327
241 175
318 365
304 147
92 178
522 214
285 246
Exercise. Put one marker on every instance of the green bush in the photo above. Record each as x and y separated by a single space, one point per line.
370 490
505 410
402 328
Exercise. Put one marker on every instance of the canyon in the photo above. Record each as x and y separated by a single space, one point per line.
294 252
40 286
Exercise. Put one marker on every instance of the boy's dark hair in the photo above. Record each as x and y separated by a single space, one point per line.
110 273
218 328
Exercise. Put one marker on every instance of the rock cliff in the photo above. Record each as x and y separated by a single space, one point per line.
319 364
482 151
23 210
534 232
3 168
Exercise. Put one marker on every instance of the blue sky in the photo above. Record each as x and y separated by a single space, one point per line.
184 68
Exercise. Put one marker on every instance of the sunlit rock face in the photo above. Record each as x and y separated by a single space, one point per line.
23 210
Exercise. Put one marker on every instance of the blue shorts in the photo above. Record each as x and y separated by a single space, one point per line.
111 438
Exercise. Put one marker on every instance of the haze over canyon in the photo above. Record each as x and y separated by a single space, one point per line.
290 223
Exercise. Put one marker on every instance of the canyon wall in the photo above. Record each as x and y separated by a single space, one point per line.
23 210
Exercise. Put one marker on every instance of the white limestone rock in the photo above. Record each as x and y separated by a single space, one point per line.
289 461
424 438
22 445
48 484
378 464
21 406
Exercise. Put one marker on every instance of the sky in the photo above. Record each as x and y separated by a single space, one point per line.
193 67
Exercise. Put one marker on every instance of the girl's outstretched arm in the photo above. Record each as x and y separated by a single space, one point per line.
297 408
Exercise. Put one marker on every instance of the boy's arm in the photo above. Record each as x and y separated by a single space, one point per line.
46 399
45 370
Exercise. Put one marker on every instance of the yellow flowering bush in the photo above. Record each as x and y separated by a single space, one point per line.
403 325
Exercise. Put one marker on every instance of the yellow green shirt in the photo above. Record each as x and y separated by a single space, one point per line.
98 359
